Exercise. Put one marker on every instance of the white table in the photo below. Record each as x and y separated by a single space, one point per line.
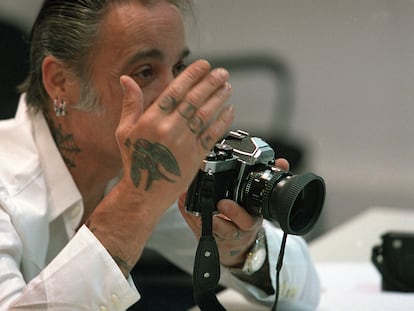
349 281
353 240
356 286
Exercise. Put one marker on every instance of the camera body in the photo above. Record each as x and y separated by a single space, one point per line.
394 261
244 171
231 161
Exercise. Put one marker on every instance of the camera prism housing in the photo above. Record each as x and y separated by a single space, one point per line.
244 171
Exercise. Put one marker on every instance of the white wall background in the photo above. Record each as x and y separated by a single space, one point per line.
353 63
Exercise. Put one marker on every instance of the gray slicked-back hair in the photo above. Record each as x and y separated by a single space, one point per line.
68 30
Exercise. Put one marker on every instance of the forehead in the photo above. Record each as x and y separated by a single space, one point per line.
131 22
130 28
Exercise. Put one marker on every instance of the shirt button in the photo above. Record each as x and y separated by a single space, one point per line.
115 300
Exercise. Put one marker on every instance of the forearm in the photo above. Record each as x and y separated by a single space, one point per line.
123 223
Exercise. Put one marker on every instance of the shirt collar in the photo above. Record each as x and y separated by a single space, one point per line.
63 192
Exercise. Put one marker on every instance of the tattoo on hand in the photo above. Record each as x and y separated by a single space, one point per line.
151 156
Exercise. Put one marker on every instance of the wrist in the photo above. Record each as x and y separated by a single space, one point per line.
255 257
255 270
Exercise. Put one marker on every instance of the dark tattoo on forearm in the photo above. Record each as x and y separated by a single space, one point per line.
65 143
151 157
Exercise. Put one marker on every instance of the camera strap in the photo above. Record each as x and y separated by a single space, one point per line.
206 273
279 268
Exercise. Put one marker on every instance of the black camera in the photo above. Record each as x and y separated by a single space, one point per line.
243 170
394 260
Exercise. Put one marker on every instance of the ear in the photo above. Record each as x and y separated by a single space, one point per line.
55 78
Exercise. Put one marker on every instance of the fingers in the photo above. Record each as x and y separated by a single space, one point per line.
197 98
215 83
282 163
216 130
132 107
177 90
232 224
204 103
212 109
234 237
241 219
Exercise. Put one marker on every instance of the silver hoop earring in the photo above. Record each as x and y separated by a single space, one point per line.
59 107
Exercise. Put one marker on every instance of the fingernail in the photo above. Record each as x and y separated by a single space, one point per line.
229 112
226 89
221 73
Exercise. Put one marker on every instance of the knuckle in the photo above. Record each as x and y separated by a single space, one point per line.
174 91
202 115
193 98
214 81
212 134
207 141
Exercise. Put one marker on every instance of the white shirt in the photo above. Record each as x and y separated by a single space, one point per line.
47 265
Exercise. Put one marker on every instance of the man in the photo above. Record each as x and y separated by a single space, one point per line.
108 92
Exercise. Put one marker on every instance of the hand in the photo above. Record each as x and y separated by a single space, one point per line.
161 150
169 141
234 228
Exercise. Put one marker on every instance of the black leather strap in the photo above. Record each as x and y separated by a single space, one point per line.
206 274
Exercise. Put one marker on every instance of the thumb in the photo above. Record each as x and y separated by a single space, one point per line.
133 102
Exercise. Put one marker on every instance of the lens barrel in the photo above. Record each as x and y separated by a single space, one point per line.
294 201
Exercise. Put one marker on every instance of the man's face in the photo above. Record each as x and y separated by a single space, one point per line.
146 43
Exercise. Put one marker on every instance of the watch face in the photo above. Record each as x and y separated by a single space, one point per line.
257 259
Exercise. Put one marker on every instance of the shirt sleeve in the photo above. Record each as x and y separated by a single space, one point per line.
82 277
299 288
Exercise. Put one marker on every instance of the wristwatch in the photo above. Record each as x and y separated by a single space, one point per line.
257 254
255 258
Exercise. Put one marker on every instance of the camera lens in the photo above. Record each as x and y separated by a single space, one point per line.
294 201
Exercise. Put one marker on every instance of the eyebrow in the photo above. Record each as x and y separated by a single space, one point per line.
155 54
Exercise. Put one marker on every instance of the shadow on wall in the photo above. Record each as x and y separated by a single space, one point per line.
14 66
